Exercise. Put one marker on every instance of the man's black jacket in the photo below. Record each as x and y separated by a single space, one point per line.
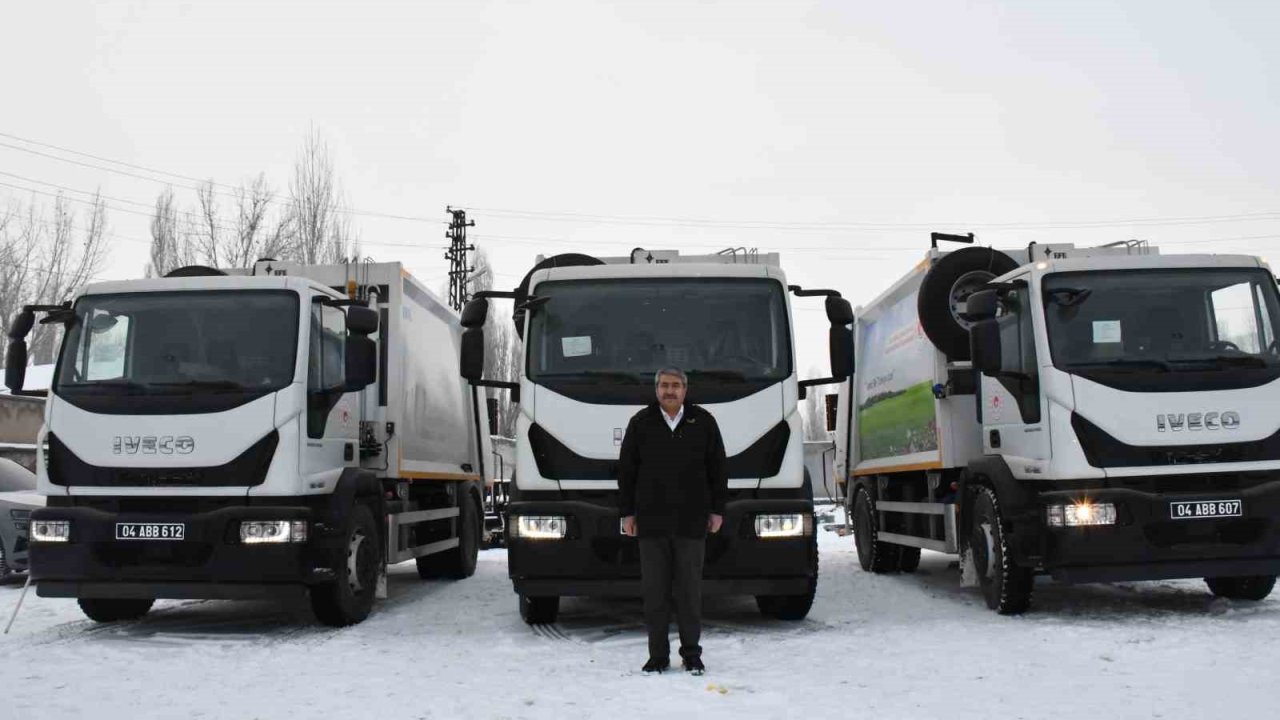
672 480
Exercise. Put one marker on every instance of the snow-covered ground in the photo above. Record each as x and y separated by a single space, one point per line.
907 646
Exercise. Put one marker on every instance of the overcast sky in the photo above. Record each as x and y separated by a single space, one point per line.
837 133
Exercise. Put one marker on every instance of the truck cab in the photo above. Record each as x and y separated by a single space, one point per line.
595 332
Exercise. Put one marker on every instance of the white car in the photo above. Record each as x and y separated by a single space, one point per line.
17 499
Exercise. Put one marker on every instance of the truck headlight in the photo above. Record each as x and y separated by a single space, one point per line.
791 525
257 532
541 527
1081 514
51 531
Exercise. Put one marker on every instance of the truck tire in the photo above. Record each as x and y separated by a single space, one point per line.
349 598
908 559
4 564
1006 587
539 610
949 282
873 555
1250 587
792 607
106 610
459 562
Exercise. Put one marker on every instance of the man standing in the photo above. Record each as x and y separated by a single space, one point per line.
671 472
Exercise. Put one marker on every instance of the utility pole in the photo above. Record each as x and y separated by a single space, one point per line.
456 254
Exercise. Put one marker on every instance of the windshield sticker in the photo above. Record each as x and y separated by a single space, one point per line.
1106 331
575 346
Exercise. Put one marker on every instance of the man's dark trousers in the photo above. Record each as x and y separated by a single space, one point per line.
671 567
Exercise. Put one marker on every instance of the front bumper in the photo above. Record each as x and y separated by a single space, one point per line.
1146 543
210 562
595 559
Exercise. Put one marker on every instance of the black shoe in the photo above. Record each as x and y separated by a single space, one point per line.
694 666
656 666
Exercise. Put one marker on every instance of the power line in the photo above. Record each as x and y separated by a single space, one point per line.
827 226
230 190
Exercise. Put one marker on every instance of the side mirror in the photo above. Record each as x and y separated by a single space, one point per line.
471 362
841 338
362 320
15 364
362 362
982 305
832 408
984 347
839 311
475 313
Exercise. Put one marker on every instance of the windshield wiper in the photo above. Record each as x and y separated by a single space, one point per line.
1127 363
1226 360
228 385
732 375
130 387
593 375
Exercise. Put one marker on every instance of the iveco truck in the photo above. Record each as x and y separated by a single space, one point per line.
1090 414
595 331
279 432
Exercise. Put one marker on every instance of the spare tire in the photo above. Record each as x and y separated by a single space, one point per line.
949 282
522 291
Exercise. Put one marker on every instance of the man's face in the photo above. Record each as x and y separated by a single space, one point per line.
670 393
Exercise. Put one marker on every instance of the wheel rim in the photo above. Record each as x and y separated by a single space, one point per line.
964 286
355 553
984 552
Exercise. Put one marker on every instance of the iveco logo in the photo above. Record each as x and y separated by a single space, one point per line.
1229 420
153 444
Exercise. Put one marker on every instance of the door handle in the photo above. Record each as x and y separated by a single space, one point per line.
995 438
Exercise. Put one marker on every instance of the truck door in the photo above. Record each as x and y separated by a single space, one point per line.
1012 409
332 415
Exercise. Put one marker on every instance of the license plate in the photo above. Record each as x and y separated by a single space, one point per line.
1198 509
151 531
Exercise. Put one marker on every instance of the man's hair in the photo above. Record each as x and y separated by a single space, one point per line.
673 372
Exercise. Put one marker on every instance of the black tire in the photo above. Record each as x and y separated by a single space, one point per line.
459 562
106 610
1250 587
908 559
950 280
5 572
1006 587
792 607
539 610
873 555
349 598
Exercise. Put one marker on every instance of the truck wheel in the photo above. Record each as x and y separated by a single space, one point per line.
1005 586
873 555
945 288
1251 587
908 559
792 607
458 562
349 598
114 609
4 564
539 610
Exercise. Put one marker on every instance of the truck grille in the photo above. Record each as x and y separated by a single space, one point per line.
249 469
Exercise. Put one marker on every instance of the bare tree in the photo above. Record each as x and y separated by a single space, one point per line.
244 246
502 349
207 233
48 260
166 253
320 231
815 413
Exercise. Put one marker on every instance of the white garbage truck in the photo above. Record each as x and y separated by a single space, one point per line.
286 430
1092 414
595 331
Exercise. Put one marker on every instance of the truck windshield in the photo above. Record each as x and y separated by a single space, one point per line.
193 344
730 335
1222 321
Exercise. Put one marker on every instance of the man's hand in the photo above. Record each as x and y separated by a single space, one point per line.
629 525
714 522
